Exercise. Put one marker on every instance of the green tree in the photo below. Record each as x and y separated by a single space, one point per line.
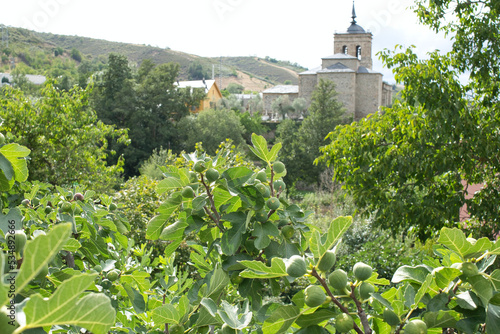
408 164
196 71
301 147
68 144
282 106
211 127
234 88
76 55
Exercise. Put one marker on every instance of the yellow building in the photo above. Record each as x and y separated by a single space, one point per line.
211 90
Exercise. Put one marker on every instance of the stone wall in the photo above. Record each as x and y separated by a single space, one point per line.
345 85
352 63
307 83
368 94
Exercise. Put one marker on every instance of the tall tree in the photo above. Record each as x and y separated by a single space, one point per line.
301 147
408 164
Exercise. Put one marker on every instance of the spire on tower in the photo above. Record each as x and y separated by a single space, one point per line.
353 13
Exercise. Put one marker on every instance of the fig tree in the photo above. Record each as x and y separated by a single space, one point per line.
188 192
288 231
338 279
113 275
273 203
212 175
391 317
296 266
416 326
362 271
314 296
19 240
261 176
47 210
344 323
112 207
279 167
199 167
98 268
327 261
192 176
176 329
365 289
469 269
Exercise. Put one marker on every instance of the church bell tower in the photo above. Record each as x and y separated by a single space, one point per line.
355 42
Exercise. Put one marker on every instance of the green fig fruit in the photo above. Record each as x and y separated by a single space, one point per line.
199 166
261 176
416 326
273 203
327 261
344 323
314 296
279 167
362 271
113 275
188 192
212 175
365 289
338 279
469 269
288 231
296 266
19 241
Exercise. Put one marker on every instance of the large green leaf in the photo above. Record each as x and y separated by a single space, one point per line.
260 149
16 153
257 269
65 307
39 252
281 320
231 239
174 231
166 210
166 314
320 244
441 319
6 167
168 184
218 282
455 240
482 287
493 319
234 316
416 274
263 232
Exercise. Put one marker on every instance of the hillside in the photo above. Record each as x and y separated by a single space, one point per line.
253 73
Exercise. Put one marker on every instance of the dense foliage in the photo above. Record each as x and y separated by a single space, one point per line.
71 266
409 164
148 104
69 145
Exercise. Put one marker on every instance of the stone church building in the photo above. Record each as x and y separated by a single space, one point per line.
359 87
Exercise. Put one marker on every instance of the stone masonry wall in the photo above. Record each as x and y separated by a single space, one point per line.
345 85
368 94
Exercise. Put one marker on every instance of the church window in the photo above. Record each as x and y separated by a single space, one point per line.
358 52
344 49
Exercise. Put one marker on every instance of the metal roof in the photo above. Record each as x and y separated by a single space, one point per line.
34 79
206 84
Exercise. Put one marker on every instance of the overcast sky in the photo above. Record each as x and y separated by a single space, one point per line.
293 30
